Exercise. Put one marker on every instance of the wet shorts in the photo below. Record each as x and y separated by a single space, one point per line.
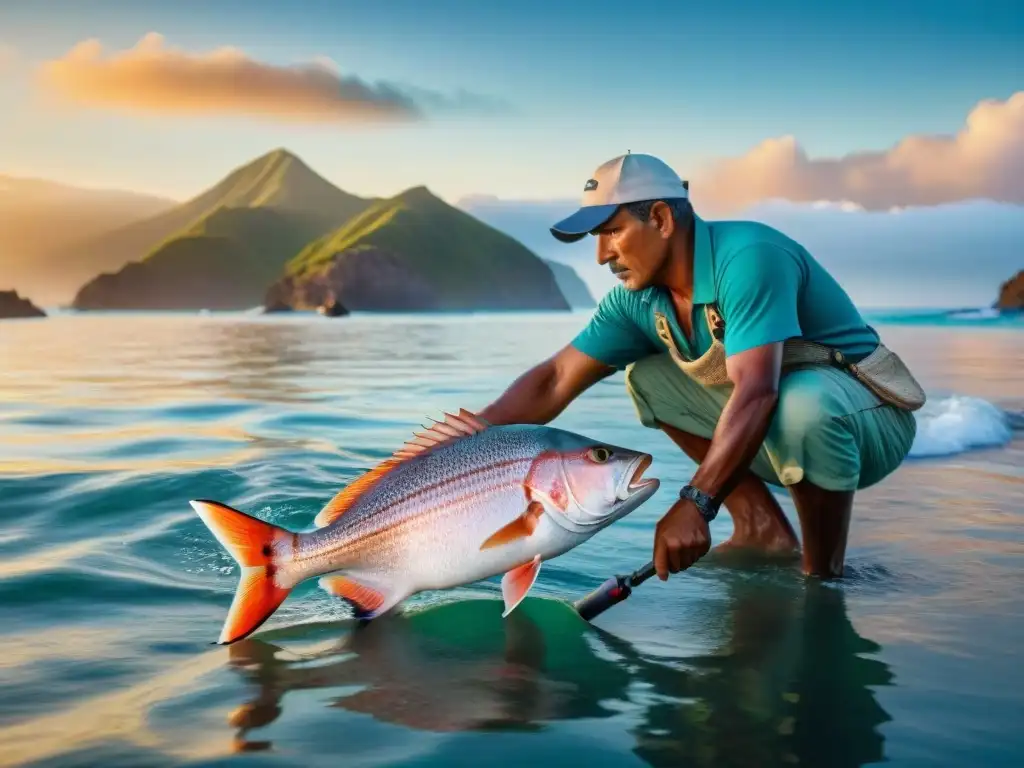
827 428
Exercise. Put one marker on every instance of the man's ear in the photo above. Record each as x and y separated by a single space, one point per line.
661 218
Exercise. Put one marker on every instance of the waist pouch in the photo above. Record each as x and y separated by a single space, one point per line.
882 371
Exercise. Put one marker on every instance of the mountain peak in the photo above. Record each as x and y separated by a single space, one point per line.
277 154
278 160
280 179
418 195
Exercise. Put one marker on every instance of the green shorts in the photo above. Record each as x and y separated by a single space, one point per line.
828 428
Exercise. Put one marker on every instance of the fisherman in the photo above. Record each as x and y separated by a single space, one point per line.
742 349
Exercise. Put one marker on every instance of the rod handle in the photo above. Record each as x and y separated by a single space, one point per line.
641 575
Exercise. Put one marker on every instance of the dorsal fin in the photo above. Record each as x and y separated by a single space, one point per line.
452 428
347 496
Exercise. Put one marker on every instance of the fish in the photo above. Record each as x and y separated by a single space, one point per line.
459 502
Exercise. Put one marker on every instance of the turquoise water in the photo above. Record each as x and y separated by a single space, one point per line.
112 590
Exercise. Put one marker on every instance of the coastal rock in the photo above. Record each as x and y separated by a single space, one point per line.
370 280
12 305
416 253
1011 294
278 306
333 309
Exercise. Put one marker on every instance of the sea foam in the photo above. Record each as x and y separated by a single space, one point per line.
959 423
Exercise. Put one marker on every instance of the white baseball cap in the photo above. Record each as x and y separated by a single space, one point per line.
627 178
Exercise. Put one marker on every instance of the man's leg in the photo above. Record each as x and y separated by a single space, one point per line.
828 437
758 520
824 523
666 399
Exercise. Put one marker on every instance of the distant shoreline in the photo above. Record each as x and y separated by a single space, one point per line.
904 313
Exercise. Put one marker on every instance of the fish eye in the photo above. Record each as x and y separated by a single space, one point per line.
600 454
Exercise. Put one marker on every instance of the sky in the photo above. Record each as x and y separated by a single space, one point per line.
945 256
522 100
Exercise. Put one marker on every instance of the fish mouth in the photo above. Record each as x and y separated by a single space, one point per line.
635 482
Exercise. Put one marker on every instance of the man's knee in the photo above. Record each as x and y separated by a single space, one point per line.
636 387
662 393
810 443
837 438
803 414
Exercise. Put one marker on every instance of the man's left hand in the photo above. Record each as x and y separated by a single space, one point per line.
680 539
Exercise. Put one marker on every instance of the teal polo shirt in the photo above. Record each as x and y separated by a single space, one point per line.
767 287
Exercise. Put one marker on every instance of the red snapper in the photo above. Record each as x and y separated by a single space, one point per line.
459 502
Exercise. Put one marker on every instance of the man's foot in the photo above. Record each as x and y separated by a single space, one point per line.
780 546
759 524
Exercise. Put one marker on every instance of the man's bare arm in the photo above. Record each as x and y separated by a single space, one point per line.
543 392
682 536
744 421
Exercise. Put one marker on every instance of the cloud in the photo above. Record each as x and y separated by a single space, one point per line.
8 57
157 79
985 159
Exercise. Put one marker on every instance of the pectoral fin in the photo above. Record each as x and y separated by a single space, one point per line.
519 528
517 582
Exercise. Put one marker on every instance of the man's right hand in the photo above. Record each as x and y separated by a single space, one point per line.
681 538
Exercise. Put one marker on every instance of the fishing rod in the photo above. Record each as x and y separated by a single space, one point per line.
613 591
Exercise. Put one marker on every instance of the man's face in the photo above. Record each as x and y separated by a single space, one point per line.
635 251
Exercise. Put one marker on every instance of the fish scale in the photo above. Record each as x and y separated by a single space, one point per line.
460 502
516 444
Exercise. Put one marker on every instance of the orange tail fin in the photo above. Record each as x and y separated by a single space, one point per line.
256 546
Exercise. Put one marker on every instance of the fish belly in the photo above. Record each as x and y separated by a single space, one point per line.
440 548
458 559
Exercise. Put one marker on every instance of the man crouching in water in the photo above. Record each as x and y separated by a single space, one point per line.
700 323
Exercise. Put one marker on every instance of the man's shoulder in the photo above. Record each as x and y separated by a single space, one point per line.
628 304
617 333
747 251
732 236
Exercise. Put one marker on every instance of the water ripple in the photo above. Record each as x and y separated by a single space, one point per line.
112 590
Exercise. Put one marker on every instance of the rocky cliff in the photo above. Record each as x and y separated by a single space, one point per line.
12 305
1011 294
414 252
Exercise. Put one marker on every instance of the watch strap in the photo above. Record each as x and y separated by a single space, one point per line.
705 504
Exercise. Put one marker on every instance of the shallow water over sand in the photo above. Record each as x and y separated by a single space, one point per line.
111 589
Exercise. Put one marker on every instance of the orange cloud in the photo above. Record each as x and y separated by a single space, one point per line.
985 159
157 79
8 56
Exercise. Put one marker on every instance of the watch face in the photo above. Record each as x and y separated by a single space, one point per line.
705 504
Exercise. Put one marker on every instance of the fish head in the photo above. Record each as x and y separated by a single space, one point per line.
588 484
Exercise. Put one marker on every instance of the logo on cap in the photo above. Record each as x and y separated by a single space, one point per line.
591 184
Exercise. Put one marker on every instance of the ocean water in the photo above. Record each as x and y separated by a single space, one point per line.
112 590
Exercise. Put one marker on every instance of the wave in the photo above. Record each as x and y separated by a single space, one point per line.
959 423
969 316
985 313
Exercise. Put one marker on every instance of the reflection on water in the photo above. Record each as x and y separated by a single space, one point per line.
791 683
164 358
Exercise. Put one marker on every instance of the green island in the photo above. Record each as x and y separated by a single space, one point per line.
277 234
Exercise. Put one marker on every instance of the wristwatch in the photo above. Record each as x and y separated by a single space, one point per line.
705 504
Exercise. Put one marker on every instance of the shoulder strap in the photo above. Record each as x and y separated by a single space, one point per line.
716 323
